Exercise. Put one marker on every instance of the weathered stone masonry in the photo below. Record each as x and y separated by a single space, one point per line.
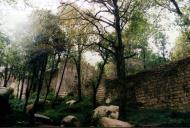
165 87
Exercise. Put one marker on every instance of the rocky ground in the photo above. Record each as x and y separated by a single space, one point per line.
68 113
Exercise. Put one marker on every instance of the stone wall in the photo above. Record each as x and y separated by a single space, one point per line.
165 87
69 83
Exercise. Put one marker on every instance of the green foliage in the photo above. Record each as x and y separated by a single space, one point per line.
10 93
81 110
154 60
160 40
16 115
32 97
157 117
137 34
182 48
67 98
136 37
51 95
16 105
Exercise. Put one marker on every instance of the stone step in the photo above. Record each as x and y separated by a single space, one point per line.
100 96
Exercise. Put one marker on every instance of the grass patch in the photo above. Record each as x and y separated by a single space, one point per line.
157 117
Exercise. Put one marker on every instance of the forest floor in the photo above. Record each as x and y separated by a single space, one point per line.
83 111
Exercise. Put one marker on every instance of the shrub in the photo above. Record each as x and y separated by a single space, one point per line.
82 110
16 105
15 116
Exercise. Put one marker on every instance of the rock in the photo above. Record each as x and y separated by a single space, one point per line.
71 102
107 122
4 101
108 100
39 106
3 91
29 108
70 121
42 119
106 111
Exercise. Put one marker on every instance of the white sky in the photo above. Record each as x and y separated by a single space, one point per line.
13 19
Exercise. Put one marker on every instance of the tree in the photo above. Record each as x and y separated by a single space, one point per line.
50 37
6 58
121 12
101 66
167 4
39 59
63 72
44 53
136 37
182 48
77 31
160 41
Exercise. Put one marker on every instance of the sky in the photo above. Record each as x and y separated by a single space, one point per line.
14 20
15 17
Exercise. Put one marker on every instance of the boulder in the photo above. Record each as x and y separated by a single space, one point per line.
111 111
39 118
39 106
4 101
29 108
71 102
108 100
108 122
3 91
70 121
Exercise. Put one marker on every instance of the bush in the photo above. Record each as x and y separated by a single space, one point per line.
15 116
10 93
16 105
51 95
81 110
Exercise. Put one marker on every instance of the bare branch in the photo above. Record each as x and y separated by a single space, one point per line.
177 7
106 21
176 10
130 56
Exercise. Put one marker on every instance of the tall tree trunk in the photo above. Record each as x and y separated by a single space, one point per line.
122 87
78 67
50 78
36 82
120 62
28 89
22 87
62 75
144 58
97 84
94 95
42 74
7 75
18 87
163 52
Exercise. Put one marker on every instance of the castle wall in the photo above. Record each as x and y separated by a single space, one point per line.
165 87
